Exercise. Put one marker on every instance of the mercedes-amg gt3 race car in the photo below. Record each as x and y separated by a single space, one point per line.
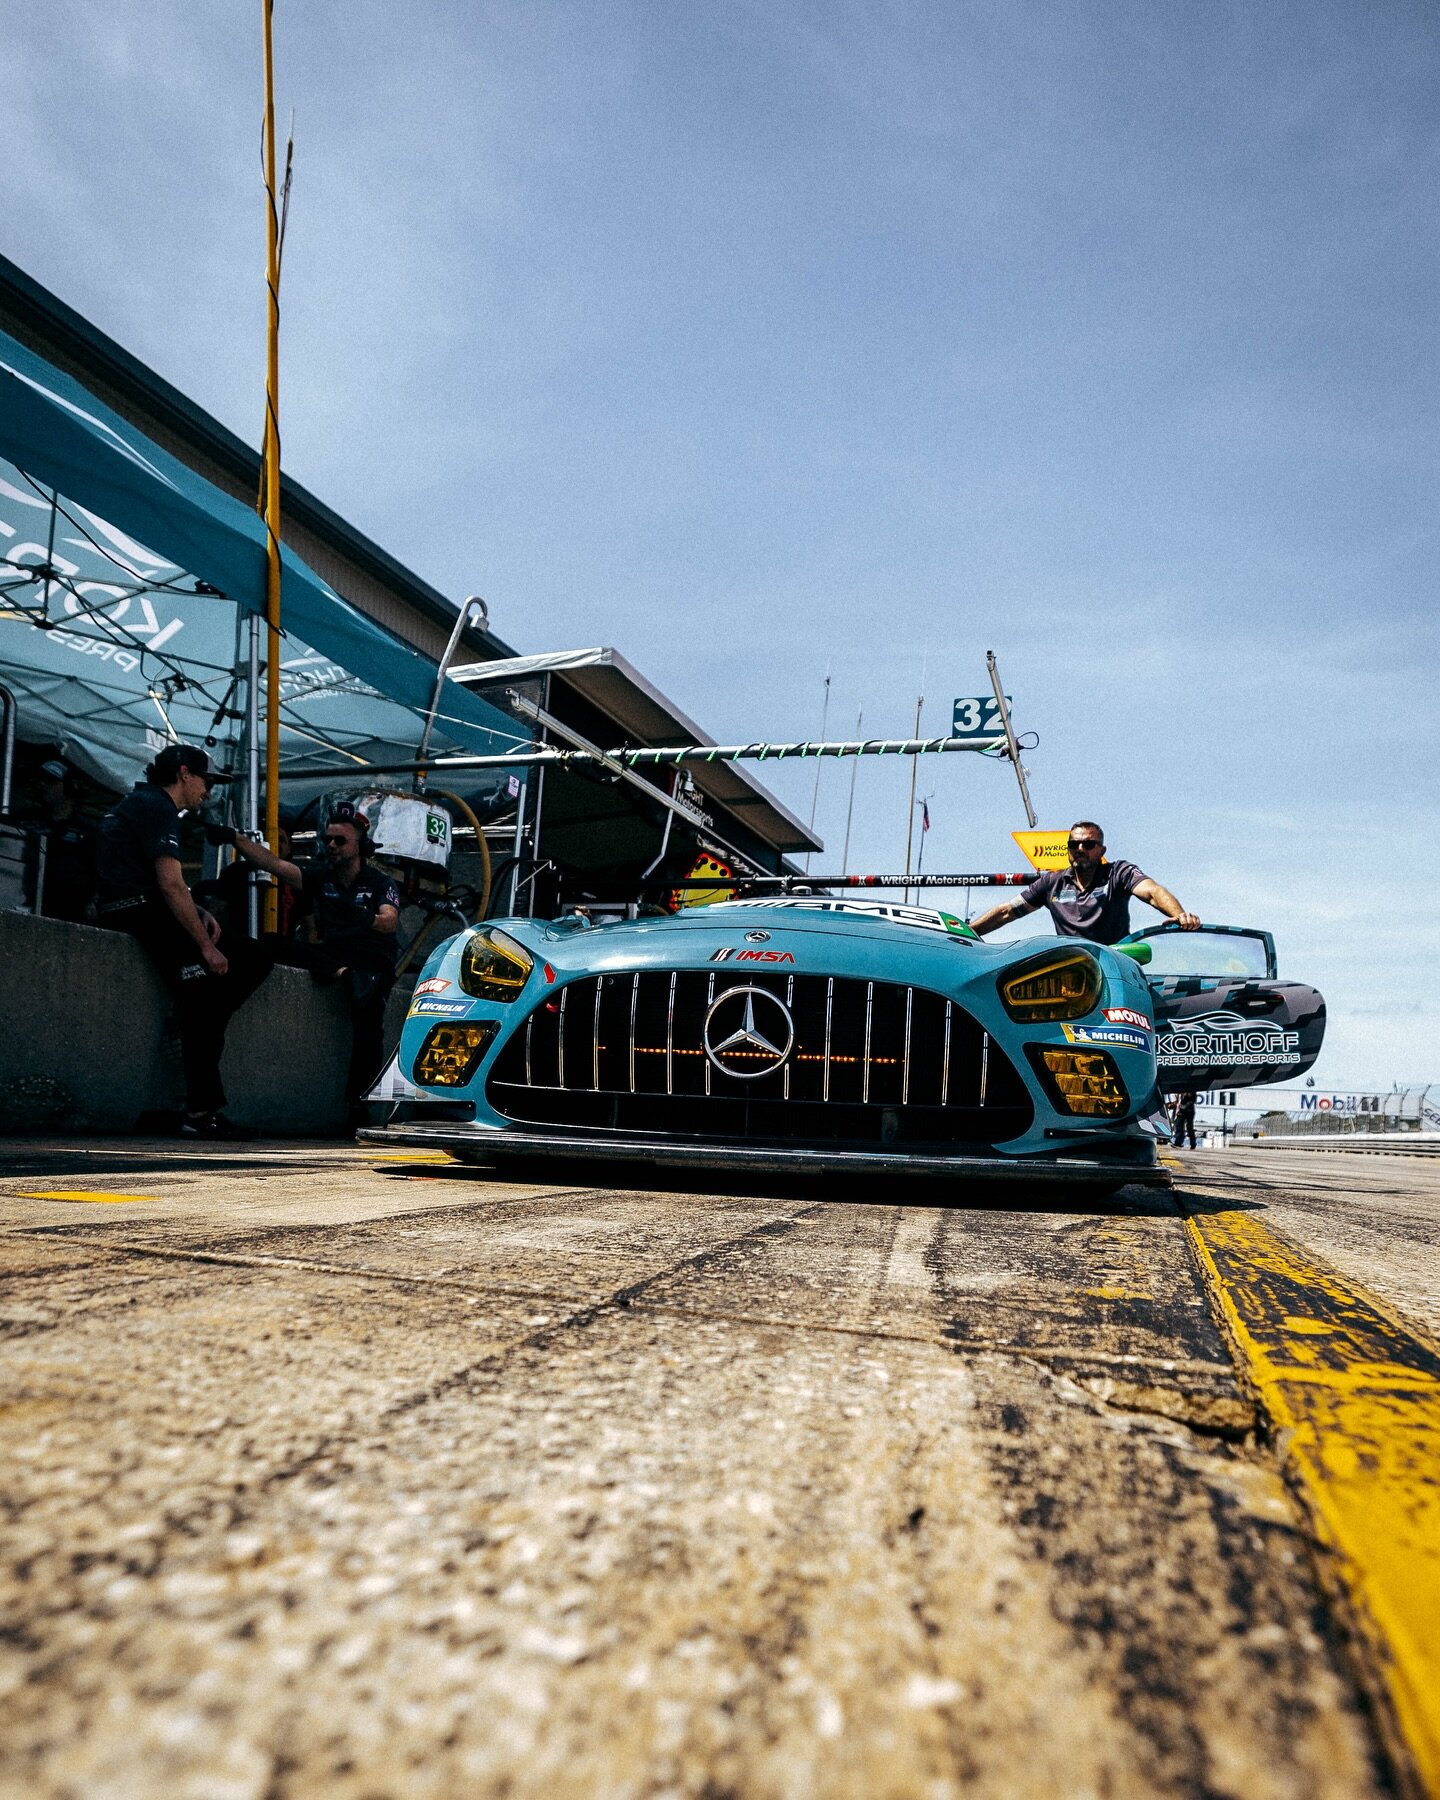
825 1035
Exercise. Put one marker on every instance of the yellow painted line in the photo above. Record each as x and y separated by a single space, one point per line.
409 1156
1353 1395
82 1196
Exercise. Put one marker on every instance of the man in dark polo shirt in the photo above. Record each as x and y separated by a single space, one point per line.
349 916
143 892
354 912
1090 899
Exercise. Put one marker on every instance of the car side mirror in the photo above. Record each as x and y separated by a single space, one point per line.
1140 953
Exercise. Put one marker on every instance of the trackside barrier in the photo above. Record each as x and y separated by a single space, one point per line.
1353 1143
85 1044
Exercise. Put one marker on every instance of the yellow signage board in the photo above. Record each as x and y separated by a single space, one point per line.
704 864
1044 849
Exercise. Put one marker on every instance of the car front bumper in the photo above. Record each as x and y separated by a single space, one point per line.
481 1144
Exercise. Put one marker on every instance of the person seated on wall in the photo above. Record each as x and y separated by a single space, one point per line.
350 915
1090 899
143 893
66 888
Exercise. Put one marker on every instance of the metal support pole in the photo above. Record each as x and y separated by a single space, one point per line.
815 791
7 750
272 477
536 816
251 826
784 883
42 851
647 872
1012 748
914 772
462 618
850 809
519 842
631 756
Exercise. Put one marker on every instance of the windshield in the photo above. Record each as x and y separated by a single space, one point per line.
1206 953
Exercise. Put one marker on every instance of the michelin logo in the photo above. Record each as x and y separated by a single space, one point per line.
1107 1034
445 1009
1226 1038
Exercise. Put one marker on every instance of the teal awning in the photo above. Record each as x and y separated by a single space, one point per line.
116 486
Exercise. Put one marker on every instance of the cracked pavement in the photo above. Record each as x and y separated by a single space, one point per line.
335 1476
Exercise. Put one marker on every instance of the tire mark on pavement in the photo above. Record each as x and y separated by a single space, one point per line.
620 1300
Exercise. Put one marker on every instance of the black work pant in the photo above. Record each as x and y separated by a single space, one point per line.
204 1003
365 990
1184 1122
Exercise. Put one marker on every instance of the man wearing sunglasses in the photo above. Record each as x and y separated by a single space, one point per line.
350 915
1090 899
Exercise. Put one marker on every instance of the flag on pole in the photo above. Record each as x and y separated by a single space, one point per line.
924 815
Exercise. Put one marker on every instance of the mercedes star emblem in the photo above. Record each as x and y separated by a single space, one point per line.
757 937
737 1044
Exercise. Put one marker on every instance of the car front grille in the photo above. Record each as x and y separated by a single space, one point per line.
869 1062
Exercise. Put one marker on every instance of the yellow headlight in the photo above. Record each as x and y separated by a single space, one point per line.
451 1053
1086 1082
1065 986
494 967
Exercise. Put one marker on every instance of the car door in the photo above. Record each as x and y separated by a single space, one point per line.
1222 1016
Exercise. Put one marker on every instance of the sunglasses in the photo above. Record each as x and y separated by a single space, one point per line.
1085 844
334 837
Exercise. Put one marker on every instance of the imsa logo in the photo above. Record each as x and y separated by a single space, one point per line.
751 956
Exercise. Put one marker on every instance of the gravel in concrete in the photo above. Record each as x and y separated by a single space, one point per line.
332 1478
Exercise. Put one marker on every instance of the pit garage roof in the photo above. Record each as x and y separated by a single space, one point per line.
641 714
373 583
371 580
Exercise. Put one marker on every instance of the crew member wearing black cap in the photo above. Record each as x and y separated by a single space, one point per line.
351 913
143 891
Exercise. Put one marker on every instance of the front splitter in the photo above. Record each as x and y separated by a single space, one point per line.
486 1146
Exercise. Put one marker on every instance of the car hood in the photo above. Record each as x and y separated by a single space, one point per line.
729 923
912 933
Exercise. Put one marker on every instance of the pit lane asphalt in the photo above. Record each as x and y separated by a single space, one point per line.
338 1475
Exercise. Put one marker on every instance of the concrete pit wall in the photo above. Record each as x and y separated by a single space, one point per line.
86 1042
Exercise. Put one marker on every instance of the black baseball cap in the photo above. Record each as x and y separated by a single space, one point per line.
346 812
167 763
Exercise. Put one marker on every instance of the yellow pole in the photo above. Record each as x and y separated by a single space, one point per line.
272 482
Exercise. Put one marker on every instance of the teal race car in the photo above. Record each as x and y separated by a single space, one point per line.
786 1034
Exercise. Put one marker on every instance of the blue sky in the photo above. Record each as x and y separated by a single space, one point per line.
763 339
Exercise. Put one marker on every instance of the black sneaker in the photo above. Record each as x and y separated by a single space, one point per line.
218 1129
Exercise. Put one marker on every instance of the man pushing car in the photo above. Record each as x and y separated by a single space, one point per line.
1090 899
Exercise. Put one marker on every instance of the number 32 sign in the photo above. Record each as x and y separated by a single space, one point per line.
980 718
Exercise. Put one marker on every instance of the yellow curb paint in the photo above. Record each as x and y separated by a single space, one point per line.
409 1156
88 1199
1353 1395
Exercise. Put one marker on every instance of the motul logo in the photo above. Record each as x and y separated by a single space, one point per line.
751 956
